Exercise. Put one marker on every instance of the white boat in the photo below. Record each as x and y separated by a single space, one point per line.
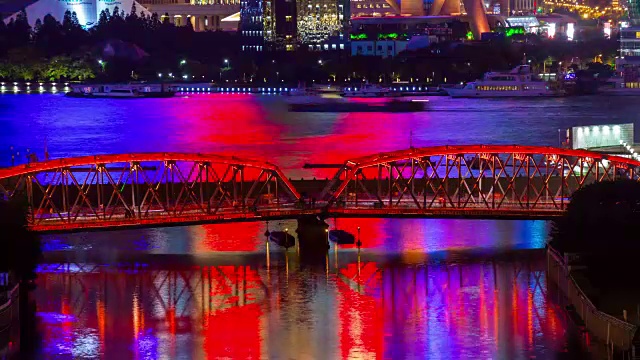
519 82
365 90
618 87
121 90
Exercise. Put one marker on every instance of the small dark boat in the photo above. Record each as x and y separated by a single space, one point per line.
282 238
341 237
339 106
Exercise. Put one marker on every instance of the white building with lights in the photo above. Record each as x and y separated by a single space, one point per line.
202 15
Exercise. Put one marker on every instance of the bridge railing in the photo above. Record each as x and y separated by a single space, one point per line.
604 327
490 177
146 187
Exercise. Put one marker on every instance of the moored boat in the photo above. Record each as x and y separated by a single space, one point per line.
519 82
282 238
341 237
366 90
123 91
618 87
341 106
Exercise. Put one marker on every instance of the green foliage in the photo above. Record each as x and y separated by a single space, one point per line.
601 217
20 248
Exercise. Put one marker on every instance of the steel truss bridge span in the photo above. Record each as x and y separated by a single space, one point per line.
158 189
150 189
479 181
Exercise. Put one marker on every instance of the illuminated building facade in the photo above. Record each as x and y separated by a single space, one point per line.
375 8
283 24
286 24
87 11
269 24
630 42
252 25
319 19
200 14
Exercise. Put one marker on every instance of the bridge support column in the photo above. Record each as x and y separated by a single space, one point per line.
312 238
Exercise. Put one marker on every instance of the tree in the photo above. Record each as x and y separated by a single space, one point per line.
21 248
601 217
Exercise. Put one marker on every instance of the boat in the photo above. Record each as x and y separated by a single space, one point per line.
282 238
407 89
519 82
341 237
367 90
618 87
124 91
341 106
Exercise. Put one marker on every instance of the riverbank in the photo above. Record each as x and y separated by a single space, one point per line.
612 334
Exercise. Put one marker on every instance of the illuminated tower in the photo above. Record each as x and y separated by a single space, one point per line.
473 8
412 7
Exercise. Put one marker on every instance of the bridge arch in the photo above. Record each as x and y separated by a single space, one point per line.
144 189
470 180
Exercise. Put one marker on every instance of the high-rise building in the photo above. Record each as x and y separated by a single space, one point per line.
268 25
252 25
634 12
283 24
286 25
319 19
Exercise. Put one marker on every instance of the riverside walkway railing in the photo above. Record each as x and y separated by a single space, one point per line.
614 332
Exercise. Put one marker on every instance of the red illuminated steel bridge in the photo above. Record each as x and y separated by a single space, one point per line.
154 189
471 181
149 189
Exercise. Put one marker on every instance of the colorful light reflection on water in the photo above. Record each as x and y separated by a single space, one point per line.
353 310
389 236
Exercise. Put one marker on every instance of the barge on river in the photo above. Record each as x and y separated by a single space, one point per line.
125 91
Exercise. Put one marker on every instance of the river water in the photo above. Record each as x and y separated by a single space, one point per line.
419 288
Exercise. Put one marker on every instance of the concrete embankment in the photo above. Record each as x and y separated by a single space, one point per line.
616 334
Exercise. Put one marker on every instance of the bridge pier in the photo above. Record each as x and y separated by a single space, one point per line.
312 239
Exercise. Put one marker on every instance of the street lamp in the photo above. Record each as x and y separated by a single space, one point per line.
182 62
320 62
160 75
226 61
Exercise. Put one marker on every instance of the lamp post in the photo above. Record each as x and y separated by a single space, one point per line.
327 231
226 63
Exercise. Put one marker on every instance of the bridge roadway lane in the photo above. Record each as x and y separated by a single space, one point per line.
83 219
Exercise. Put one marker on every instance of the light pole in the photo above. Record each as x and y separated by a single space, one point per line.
102 64
327 231
226 63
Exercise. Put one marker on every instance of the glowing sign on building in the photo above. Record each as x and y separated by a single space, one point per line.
570 31
607 30
551 30
585 137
